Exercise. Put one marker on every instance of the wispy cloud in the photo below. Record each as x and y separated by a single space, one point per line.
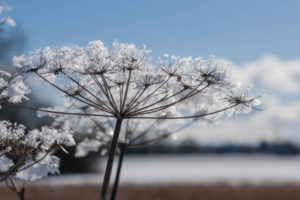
281 119
272 73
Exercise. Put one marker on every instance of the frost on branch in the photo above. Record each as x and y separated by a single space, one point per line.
27 155
12 89
48 165
87 145
134 134
95 133
122 82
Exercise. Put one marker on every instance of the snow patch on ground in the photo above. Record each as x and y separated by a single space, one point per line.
162 169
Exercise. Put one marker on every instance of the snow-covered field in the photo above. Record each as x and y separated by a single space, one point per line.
233 169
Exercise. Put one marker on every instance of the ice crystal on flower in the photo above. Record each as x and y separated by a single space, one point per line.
48 165
12 89
84 147
122 82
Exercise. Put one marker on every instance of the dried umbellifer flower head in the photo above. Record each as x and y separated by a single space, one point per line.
27 155
122 82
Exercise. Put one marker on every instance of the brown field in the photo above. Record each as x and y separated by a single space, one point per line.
162 192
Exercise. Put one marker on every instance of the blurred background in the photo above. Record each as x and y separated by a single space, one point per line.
259 38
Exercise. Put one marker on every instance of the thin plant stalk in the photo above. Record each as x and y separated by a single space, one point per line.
117 178
110 160
14 187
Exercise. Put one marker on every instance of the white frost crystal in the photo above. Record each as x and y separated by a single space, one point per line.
14 90
28 154
84 147
48 165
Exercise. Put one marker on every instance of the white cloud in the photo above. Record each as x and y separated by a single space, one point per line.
281 119
272 73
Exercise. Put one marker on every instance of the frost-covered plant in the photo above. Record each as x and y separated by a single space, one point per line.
94 134
136 133
12 89
28 155
121 82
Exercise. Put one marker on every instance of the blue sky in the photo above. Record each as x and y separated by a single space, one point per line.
238 30
260 37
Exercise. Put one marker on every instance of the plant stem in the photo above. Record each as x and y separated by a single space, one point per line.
116 183
20 192
110 160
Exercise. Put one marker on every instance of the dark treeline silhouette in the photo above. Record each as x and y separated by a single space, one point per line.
70 164
278 148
